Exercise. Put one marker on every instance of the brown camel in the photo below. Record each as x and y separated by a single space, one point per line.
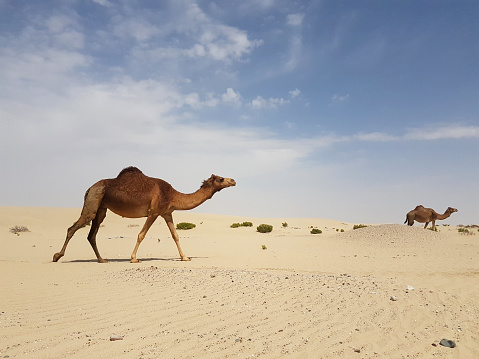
133 195
426 215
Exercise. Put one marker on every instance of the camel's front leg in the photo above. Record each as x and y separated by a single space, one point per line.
169 221
425 226
141 236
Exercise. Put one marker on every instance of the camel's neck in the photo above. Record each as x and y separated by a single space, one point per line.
185 202
445 215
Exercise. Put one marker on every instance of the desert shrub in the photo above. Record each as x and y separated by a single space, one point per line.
342 230
263 247
264 228
357 226
316 231
185 225
244 224
285 224
18 229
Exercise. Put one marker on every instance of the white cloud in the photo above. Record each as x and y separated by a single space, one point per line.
339 98
294 93
226 43
375 137
231 96
138 28
73 39
206 39
443 132
105 3
294 19
260 102
58 24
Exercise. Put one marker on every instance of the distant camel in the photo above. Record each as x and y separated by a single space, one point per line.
133 195
426 215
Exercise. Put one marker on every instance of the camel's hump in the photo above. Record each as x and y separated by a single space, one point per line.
128 170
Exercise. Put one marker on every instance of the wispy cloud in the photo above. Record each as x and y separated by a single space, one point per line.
339 98
448 132
294 19
105 3
260 103
443 132
294 93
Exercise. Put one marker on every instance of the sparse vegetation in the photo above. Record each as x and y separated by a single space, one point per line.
316 231
466 231
18 229
285 224
357 226
244 224
264 228
434 230
342 230
185 225
263 247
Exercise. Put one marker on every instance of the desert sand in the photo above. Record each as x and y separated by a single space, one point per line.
384 291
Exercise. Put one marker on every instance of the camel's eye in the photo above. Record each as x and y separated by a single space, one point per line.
221 179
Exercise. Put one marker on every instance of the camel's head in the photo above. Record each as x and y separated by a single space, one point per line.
451 210
218 182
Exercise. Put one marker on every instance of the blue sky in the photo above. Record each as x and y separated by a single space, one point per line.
351 110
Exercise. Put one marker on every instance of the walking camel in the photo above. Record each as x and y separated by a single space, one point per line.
133 195
426 215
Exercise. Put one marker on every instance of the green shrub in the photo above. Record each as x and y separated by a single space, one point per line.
263 247
264 228
357 226
185 225
342 230
285 224
316 231
244 224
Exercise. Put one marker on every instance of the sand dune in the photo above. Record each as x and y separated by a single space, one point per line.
304 296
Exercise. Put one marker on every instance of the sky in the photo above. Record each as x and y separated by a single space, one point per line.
349 110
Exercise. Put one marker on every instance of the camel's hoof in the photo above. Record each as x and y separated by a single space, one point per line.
134 260
101 260
57 256
185 259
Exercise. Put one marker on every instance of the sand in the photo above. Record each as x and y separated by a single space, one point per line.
330 295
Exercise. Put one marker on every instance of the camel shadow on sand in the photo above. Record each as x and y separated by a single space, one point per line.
119 260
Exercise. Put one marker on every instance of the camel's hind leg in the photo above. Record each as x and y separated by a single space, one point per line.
425 226
93 198
409 219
